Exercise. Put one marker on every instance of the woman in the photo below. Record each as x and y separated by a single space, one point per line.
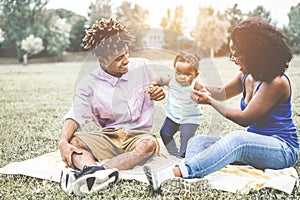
271 138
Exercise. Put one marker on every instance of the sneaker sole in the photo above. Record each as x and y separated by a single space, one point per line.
181 186
94 182
148 174
66 181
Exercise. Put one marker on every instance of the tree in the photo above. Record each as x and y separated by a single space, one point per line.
176 22
57 28
19 19
31 45
77 32
173 27
211 31
262 13
100 9
58 36
2 37
135 17
292 31
234 15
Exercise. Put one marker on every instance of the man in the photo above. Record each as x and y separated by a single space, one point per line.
113 97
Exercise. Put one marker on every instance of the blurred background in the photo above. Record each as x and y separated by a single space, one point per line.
54 29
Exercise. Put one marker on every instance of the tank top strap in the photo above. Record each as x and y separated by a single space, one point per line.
258 86
289 84
243 84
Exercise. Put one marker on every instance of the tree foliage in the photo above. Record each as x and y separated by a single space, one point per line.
173 27
262 13
58 36
134 17
175 22
292 31
210 31
32 45
98 10
234 15
19 19
77 32
57 28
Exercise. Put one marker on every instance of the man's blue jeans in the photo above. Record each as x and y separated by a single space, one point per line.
207 154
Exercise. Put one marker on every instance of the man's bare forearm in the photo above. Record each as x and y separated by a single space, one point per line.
68 129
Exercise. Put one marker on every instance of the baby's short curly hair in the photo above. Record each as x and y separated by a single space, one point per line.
191 58
107 37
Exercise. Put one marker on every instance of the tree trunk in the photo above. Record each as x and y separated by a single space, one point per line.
212 52
25 59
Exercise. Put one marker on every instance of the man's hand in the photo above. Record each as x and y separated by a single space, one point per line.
66 151
156 92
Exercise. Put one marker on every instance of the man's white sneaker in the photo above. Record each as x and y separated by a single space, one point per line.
94 180
67 178
88 180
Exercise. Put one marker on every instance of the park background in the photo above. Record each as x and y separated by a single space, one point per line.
41 56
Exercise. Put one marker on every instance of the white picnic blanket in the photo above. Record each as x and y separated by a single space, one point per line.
232 178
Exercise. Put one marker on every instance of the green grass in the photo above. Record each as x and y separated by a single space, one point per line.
35 97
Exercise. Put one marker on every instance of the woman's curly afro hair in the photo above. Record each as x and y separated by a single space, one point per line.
262 47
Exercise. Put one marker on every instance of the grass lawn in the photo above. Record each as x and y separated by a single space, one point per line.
35 97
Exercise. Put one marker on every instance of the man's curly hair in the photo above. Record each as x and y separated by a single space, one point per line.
107 37
262 48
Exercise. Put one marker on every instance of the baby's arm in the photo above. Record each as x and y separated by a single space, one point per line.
198 86
158 82
163 81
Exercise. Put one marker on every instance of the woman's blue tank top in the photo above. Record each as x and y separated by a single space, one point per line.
277 122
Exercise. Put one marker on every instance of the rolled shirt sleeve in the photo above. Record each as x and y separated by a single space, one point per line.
81 109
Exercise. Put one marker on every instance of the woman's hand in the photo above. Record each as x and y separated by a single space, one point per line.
201 96
156 92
